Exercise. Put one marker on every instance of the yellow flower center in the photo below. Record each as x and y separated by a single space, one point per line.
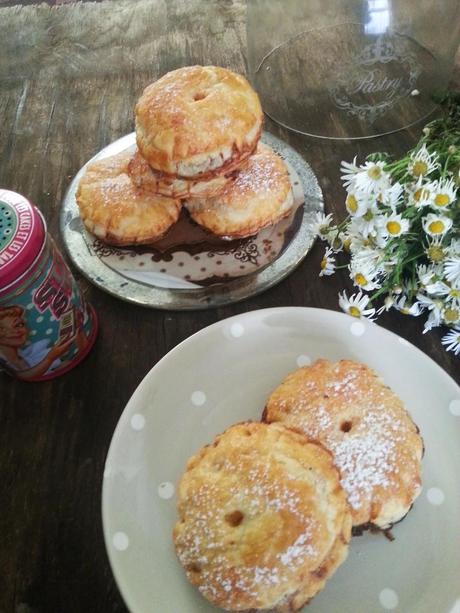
435 253
455 293
451 315
442 200
323 264
394 227
374 173
436 227
352 203
346 244
354 311
360 279
419 168
323 230
421 194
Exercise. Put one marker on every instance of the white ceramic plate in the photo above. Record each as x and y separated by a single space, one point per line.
223 374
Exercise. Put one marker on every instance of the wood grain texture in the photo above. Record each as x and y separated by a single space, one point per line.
69 77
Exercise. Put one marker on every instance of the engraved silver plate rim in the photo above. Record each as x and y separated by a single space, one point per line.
213 296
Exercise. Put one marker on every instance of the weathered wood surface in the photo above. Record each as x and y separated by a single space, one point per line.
69 77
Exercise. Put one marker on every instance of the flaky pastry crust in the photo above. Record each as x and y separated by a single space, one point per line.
116 211
376 445
152 181
259 195
197 120
263 521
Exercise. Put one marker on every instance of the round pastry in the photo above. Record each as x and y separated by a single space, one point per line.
263 520
375 444
197 121
150 180
116 211
259 195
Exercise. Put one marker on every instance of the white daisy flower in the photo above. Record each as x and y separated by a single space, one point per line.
435 251
395 225
320 225
428 274
356 204
451 341
372 178
327 264
364 271
368 258
392 197
367 225
356 305
440 288
349 172
420 194
404 306
436 225
443 193
434 306
356 242
452 271
451 314
422 162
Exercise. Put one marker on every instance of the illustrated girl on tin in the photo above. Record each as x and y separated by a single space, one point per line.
28 360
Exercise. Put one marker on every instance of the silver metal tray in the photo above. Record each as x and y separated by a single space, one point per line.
115 270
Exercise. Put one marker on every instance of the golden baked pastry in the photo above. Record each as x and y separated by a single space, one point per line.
375 444
150 180
259 195
198 120
112 208
263 521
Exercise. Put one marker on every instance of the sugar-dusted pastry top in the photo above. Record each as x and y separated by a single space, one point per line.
375 444
258 195
263 521
116 211
198 120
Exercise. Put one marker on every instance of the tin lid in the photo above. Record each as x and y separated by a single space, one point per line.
22 232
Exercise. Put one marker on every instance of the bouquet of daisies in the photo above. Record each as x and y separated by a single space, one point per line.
402 232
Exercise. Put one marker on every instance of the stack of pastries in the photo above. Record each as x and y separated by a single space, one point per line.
197 135
266 511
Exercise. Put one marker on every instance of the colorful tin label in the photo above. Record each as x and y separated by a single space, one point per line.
46 327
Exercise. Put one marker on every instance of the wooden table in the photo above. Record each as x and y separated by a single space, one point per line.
69 78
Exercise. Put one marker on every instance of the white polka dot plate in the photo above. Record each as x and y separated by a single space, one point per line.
188 268
224 374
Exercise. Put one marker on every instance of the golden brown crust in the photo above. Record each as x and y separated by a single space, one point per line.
154 182
374 441
263 521
259 195
112 208
197 119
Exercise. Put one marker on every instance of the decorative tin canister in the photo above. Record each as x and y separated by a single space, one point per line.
46 327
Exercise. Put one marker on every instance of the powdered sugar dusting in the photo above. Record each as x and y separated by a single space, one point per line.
366 457
298 550
257 490
363 424
262 174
